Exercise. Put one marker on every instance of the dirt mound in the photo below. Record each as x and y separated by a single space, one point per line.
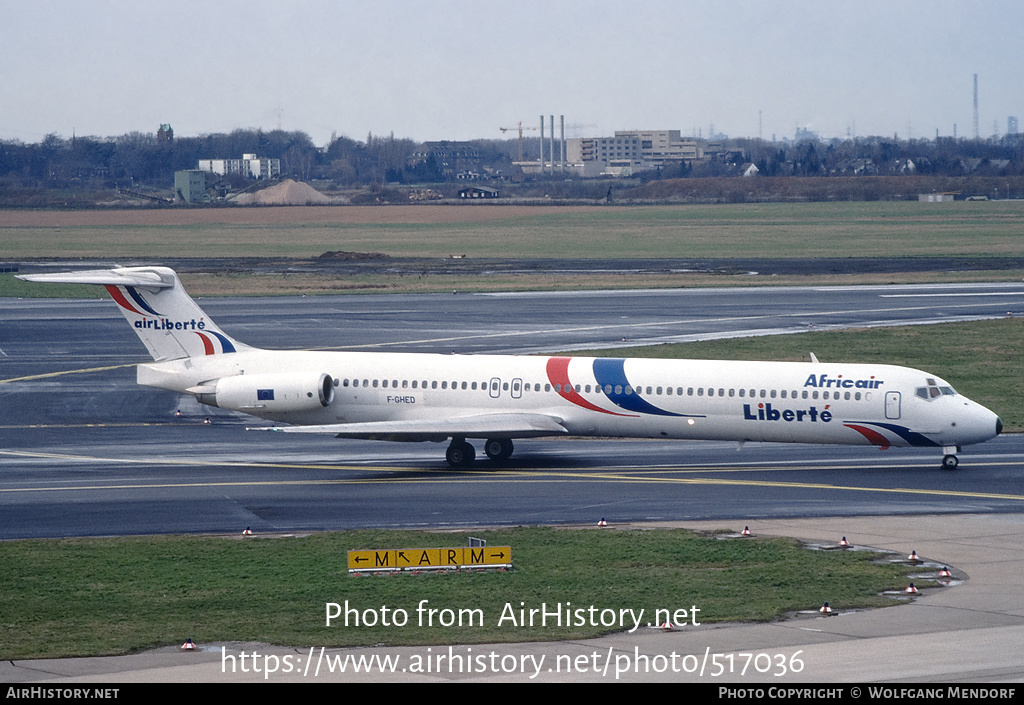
286 193
342 256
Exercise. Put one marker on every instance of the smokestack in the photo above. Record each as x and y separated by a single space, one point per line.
976 135
542 143
552 152
561 120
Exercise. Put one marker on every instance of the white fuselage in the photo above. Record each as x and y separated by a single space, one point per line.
415 397
691 399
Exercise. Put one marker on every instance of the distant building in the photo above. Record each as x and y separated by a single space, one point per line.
249 165
190 186
478 192
629 151
451 157
165 134
805 135
935 197
861 166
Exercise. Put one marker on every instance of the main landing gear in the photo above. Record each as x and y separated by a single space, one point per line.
461 454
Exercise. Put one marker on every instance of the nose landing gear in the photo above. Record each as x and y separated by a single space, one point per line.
949 460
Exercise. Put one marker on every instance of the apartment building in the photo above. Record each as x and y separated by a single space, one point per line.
249 165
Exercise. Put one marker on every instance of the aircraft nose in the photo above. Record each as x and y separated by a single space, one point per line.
979 424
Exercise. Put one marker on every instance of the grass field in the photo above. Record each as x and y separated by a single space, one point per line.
107 596
873 229
968 231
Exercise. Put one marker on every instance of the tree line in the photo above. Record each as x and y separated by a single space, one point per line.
140 158
150 159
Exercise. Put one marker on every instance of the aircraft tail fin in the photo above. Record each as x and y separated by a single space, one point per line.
152 299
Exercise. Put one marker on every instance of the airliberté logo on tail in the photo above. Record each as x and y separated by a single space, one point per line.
167 324
131 300
161 323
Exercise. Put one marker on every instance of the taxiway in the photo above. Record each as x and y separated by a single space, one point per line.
87 452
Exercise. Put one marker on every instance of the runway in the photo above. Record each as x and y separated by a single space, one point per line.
87 452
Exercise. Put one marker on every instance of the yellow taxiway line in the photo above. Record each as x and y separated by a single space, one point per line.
448 476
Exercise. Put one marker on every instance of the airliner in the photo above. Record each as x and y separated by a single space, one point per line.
499 398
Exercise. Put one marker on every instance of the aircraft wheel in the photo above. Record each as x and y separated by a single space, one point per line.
949 462
460 454
498 448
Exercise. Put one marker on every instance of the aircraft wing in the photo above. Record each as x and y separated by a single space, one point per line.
476 426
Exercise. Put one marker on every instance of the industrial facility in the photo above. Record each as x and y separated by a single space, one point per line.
628 151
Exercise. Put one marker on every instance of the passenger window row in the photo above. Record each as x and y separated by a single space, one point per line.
617 389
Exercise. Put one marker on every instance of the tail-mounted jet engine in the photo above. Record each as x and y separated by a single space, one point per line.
279 391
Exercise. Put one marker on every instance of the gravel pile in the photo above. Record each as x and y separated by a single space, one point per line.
286 193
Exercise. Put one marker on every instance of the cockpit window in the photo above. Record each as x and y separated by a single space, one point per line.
934 391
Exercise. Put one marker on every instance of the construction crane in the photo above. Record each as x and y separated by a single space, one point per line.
520 128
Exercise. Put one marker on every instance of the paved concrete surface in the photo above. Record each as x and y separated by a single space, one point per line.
970 633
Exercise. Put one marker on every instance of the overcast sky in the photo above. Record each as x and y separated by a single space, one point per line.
461 69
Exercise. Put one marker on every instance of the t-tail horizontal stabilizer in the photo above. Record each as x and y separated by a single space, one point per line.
166 319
